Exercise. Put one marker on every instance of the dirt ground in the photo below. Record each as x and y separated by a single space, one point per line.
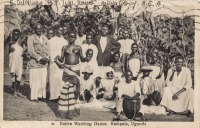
22 109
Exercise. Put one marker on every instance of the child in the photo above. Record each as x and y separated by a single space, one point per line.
87 88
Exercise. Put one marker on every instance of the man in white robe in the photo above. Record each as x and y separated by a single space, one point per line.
55 77
38 48
178 96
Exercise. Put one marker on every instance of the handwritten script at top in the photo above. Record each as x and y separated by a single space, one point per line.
144 3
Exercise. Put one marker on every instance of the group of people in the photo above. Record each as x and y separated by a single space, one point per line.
82 68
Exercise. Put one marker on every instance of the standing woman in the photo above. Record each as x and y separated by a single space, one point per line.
38 49
71 89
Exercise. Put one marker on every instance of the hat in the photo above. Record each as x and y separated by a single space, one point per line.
146 67
87 70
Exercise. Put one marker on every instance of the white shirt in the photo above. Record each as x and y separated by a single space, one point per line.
126 45
129 89
103 43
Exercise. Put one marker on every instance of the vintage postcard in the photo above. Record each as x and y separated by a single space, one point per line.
99 63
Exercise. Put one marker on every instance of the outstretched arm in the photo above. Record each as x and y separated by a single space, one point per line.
81 55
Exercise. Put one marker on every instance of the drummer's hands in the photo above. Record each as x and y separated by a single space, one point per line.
175 96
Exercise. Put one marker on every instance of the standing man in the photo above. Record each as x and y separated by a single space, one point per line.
55 76
178 96
106 46
38 49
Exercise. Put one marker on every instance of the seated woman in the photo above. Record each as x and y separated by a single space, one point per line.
157 72
148 87
71 89
117 65
87 89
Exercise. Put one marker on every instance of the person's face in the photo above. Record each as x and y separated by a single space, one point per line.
155 57
129 77
72 38
16 36
104 31
89 39
134 48
60 31
125 34
38 30
50 34
86 76
81 32
89 55
116 57
179 64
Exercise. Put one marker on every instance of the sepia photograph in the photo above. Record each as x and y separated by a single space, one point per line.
96 61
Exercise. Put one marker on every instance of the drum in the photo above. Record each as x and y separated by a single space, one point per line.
131 107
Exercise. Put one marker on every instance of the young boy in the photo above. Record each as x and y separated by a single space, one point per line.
16 63
87 89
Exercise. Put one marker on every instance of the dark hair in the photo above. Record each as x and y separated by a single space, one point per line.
89 50
35 26
134 44
50 29
90 34
15 30
179 57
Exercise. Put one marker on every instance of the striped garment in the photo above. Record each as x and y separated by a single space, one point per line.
66 104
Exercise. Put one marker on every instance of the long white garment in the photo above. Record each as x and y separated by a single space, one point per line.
185 100
16 61
126 46
55 76
79 40
38 78
134 65
85 47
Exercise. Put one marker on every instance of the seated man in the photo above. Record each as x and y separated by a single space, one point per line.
148 87
128 88
106 87
178 96
87 88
